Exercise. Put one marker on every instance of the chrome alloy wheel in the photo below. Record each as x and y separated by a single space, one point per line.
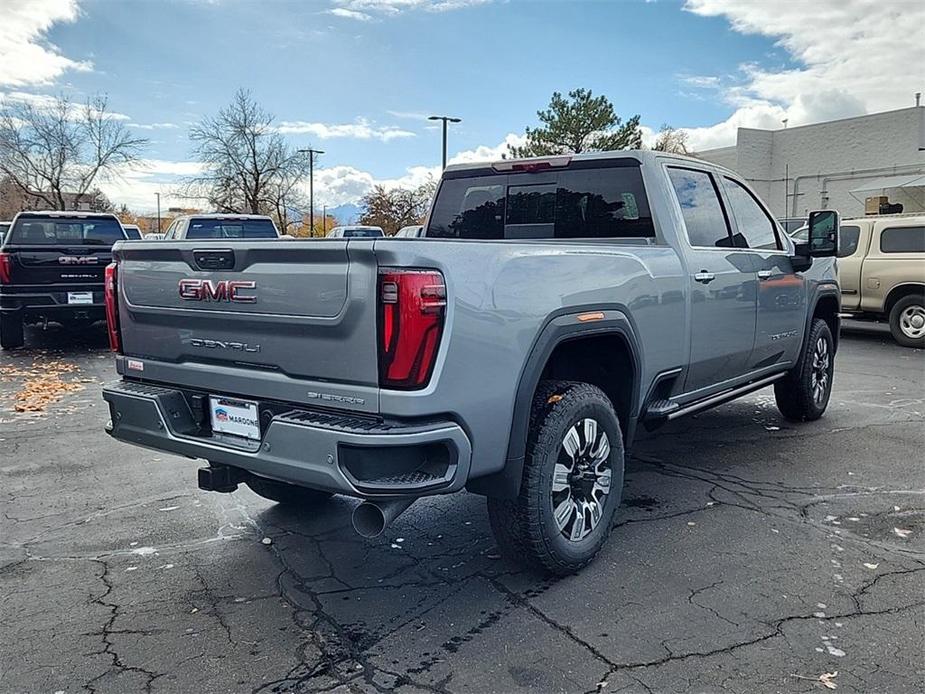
820 375
912 322
581 480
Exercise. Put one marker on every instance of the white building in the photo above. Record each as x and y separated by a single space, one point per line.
834 165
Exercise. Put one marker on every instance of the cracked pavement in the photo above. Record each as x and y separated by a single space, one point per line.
750 555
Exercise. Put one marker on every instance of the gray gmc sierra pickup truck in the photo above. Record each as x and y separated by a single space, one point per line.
552 307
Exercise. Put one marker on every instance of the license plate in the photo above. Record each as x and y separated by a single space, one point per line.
81 298
236 417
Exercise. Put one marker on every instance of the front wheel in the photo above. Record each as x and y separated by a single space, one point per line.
803 394
572 480
284 493
907 321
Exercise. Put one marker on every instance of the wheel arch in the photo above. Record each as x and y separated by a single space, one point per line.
571 349
826 305
900 291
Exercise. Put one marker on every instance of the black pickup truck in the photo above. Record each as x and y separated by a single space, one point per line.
52 267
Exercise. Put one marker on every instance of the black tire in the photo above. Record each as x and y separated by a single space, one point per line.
11 332
803 394
526 528
283 493
906 318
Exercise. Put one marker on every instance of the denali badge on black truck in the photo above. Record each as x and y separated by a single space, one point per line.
51 268
551 308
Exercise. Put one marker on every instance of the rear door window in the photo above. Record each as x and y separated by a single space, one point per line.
704 216
579 203
63 231
755 227
903 240
848 238
231 229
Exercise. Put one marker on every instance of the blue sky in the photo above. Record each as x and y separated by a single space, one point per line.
356 77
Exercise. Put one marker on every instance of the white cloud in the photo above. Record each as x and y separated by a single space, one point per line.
855 56
366 10
409 115
26 57
137 184
46 102
152 126
486 153
339 185
362 129
344 13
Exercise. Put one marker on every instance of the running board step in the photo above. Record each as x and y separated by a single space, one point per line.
661 409
659 412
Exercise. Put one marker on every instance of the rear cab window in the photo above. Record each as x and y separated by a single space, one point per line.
66 231
206 228
588 200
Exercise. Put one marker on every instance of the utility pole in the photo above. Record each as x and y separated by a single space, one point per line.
158 212
324 219
445 119
311 184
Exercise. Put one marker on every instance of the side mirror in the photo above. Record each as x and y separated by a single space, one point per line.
823 233
822 239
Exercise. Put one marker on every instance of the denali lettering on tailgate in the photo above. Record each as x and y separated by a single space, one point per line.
223 290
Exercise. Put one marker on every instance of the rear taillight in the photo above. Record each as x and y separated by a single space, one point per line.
111 296
6 268
412 305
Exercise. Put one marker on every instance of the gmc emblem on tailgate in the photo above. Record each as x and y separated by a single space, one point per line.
223 290
77 260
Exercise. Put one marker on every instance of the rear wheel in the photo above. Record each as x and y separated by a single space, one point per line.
907 321
283 493
803 394
572 480
11 331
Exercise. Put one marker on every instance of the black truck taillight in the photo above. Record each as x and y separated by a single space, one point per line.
412 306
111 297
6 268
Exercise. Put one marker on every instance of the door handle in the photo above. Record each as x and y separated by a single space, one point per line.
704 276
764 274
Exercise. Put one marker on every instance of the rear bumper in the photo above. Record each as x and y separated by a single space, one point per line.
344 454
51 303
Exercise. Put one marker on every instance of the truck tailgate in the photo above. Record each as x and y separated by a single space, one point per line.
283 311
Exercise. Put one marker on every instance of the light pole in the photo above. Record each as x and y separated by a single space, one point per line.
311 184
445 119
158 212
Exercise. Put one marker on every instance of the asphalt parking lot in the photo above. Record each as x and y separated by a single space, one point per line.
750 555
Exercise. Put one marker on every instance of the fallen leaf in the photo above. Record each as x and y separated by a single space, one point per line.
903 533
870 566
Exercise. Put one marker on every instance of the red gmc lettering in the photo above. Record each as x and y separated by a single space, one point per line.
223 290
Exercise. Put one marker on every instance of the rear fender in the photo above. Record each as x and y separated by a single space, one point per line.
559 328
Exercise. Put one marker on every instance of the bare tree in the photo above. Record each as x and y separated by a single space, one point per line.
249 168
672 140
394 208
55 151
